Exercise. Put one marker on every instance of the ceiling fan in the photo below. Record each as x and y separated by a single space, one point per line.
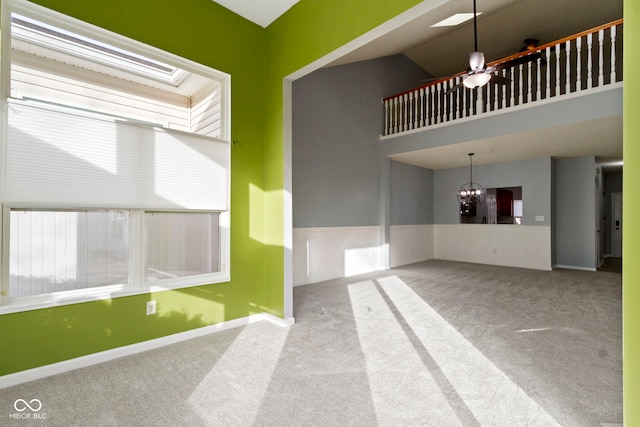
478 74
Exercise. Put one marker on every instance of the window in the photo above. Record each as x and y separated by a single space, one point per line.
53 251
180 245
117 164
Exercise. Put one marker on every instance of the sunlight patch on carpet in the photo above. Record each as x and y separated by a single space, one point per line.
233 391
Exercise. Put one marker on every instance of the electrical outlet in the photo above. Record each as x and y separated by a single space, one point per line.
151 307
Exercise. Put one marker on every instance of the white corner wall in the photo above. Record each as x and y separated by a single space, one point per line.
507 245
325 253
409 244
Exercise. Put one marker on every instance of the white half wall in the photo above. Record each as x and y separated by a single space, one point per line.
409 244
325 253
507 245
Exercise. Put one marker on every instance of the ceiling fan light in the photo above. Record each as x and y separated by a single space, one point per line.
477 80
476 61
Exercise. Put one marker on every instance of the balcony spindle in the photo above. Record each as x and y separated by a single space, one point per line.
512 100
538 78
558 66
504 90
600 58
464 99
412 110
405 116
520 84
431 106
436 101
589 61
486 93
386 117
444 102
529 83
578 64
567 65
399 115
396 114
613 54
451 97
416 107
548 67
455 101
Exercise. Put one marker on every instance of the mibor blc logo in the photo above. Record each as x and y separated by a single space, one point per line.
27 409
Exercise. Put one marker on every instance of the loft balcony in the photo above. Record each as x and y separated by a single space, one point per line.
581 64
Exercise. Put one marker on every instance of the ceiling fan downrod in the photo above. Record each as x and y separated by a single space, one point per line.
475 28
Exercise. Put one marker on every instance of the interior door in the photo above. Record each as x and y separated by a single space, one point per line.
616 231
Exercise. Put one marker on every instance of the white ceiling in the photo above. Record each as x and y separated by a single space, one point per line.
261 12
502 28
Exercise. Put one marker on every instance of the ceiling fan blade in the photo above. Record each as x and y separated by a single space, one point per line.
522 60
454 88
499 80
432 79
476 61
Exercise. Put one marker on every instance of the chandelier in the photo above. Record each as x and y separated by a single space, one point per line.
471 195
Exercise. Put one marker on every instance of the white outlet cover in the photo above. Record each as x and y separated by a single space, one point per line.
151 307
540 218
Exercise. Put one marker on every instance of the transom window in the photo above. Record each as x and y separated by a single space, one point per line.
117 164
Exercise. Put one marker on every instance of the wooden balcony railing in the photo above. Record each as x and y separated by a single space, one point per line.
581 62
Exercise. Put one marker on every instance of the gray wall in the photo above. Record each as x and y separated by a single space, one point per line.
411 189
534 176
575 216
337 120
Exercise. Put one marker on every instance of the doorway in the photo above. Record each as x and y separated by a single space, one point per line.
616 225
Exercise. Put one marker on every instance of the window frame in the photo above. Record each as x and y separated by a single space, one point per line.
137 285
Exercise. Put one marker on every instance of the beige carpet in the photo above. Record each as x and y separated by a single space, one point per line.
436 344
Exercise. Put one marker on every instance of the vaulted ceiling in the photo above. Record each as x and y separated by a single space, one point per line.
502 28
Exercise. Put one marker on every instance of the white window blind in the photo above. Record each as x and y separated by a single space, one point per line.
180 244
61 251
62 157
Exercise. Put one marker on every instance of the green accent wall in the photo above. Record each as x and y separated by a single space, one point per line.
631 218
205 32
257 59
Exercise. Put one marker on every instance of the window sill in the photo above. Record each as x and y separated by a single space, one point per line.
60 299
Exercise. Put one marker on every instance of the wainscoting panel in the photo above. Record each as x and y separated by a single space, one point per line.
506 245
409 244
326 253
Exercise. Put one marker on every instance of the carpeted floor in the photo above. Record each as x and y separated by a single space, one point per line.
611 265
434 344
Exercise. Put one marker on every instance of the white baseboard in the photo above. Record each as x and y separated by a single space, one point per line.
105 356
574 267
